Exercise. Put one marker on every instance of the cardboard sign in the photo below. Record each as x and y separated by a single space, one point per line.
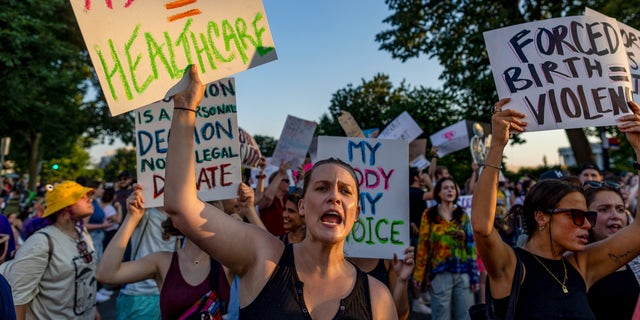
631 40
381 167
249 149
569 72
217 145
403 127
294 142
140 49
349 125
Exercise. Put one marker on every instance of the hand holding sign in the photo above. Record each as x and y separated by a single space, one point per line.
504 122
630 125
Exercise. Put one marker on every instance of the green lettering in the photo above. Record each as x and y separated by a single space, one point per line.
228 34
117 68
213 30
205 49
134 65
184 40
155 51
172 55
394 232
258 33
381 239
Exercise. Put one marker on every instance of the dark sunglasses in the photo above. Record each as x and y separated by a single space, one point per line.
597 185
285 180
577 215
83 250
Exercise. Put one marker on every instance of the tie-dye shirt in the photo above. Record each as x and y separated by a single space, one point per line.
451 245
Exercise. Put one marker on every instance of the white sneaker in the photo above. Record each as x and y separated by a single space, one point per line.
100 298
105 292
420 308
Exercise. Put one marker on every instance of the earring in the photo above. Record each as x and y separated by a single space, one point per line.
540 228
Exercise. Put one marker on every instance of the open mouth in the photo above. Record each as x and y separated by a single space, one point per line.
614 227
331 217
584 238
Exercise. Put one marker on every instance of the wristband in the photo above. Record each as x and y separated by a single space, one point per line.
492 166
186 109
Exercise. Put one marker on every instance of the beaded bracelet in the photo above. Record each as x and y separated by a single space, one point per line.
187 109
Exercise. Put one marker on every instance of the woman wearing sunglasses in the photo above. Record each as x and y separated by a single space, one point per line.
614 296
53 275
559 266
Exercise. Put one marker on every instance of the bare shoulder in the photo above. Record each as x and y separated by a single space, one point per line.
382 304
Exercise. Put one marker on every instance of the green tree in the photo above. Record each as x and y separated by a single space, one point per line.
49 99
123 160
451 31
267 144
74 164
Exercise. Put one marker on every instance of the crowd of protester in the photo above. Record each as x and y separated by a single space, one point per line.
276 251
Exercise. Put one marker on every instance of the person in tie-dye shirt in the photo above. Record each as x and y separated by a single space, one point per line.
446 255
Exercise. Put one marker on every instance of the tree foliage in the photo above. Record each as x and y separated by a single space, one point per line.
123 160
48 85
267 144
73 165
451 32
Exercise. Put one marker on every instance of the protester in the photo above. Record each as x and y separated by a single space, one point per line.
311 278
271 203
446 255
183 276
590 172
294 225
558 264
53 273
614 296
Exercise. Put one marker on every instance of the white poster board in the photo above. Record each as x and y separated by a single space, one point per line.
631 40
451 139
217 145
381 167
294 142
140 49
569 72
403 127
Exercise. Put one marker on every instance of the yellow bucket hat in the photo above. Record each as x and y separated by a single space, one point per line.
63 195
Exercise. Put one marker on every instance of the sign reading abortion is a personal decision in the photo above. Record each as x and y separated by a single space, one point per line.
140 49
569 72
217 152
382 170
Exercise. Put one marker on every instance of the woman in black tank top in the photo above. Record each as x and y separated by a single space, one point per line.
310 279
559 266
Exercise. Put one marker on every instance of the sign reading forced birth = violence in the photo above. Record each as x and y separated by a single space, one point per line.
140 49
217 145
567 72
382 169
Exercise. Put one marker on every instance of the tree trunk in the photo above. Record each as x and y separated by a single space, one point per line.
580 146
34 157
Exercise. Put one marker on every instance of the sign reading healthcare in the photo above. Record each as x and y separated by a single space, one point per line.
382 170
140 49
217 145
569 72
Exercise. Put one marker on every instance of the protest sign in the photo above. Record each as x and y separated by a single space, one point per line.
382 171
249 149
458 136
349 125
631 40
403 127
417 150
569 72
294 141
140 49
371 132
464 202
217 146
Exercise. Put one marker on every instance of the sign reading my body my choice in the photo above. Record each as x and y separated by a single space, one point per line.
382 170
567 72
217 145
140 49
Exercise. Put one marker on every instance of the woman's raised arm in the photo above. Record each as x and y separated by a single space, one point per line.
496 255
236 245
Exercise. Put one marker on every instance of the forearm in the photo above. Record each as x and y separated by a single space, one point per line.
21 312
485 195
401 298
252 216
112 257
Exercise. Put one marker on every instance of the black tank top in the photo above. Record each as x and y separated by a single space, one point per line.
381 273
282 297
614 296
541 296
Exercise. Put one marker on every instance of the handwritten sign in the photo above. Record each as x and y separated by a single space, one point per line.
139 49
381 167
403 127
631 40
451 139
569 72
217 145
249 149
294 141
349 125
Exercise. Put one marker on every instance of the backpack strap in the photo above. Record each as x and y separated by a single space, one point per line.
50 244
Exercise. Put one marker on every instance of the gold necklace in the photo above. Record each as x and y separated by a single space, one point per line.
196 260
564 281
